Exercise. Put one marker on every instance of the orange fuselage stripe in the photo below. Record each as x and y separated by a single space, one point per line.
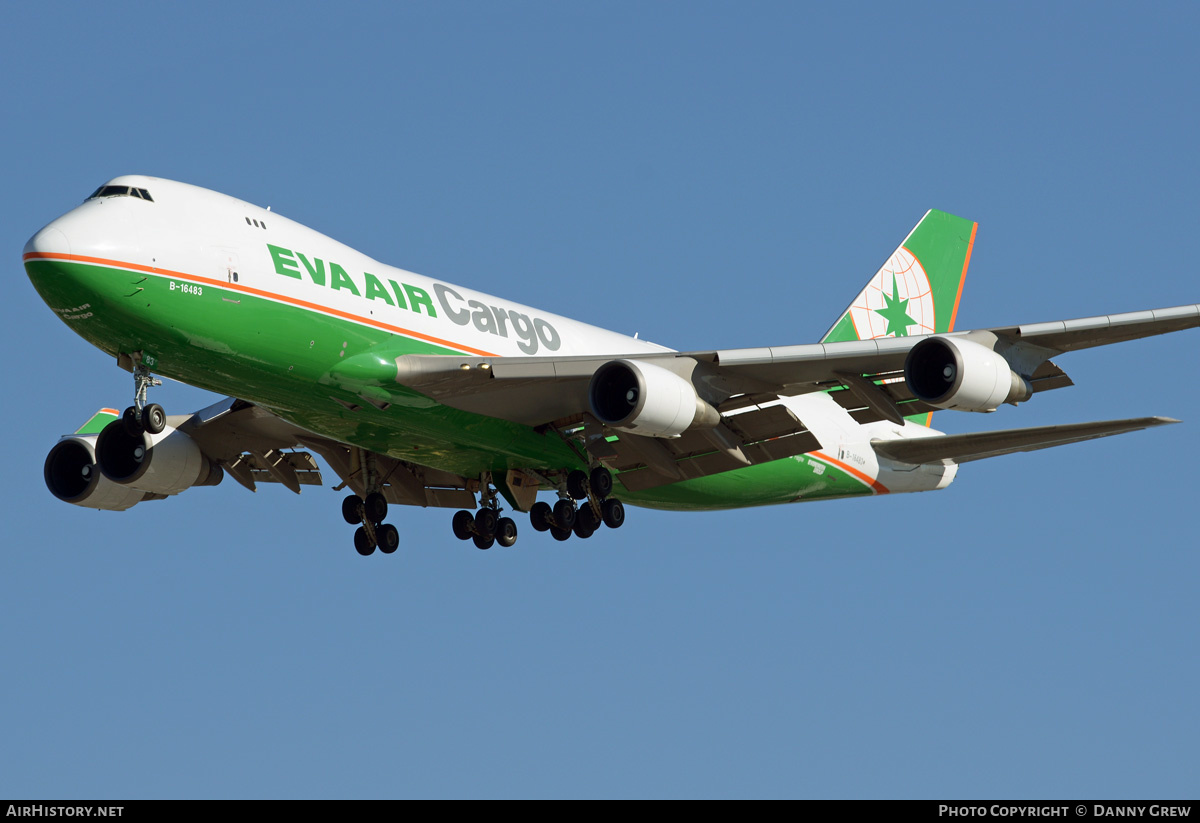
317 307
875 485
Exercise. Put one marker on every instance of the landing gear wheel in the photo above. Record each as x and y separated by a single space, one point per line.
375 507
485 523
614 512
586 519
506 532
482 542
362 542
577 483
463 524
582 531
541 516
154 419
602 482
564 514
560 534
352 509
132 422
389 538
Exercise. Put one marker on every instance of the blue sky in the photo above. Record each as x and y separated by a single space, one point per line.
708 175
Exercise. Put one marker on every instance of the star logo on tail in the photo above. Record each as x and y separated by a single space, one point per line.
895 312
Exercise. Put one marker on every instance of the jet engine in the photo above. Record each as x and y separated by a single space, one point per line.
641 398
72 476
164 463
955 373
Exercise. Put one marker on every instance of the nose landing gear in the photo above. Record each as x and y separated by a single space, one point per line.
143 417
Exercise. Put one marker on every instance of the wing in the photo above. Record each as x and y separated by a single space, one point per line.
541 390
254 446
871 379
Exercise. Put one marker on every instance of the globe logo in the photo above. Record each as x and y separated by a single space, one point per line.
898 301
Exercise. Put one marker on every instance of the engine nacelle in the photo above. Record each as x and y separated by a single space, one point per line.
641 398
954 373
72 476
163 463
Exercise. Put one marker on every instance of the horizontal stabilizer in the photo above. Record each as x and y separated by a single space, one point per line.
963 448
96 423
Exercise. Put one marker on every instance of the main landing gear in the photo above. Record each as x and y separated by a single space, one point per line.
370 512
597 507
373 531
142 417
485 527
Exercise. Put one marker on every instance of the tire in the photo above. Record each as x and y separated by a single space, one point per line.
485 522
541 516
586 518
577 485
463 524
154 419
602 482
564 514
352 508
614 513
560 534
362 542
389 538
483 543
376 507
132 422
582 531
506 532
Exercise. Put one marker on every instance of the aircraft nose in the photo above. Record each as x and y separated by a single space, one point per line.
49 241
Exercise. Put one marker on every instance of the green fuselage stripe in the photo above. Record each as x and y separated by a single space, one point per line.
278 352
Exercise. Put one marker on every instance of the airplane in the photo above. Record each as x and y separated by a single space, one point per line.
419 392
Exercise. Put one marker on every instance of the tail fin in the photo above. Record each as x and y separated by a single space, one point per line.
917 290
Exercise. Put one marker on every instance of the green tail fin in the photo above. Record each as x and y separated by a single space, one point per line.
917 290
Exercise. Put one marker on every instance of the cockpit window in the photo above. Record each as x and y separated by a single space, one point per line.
121 191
